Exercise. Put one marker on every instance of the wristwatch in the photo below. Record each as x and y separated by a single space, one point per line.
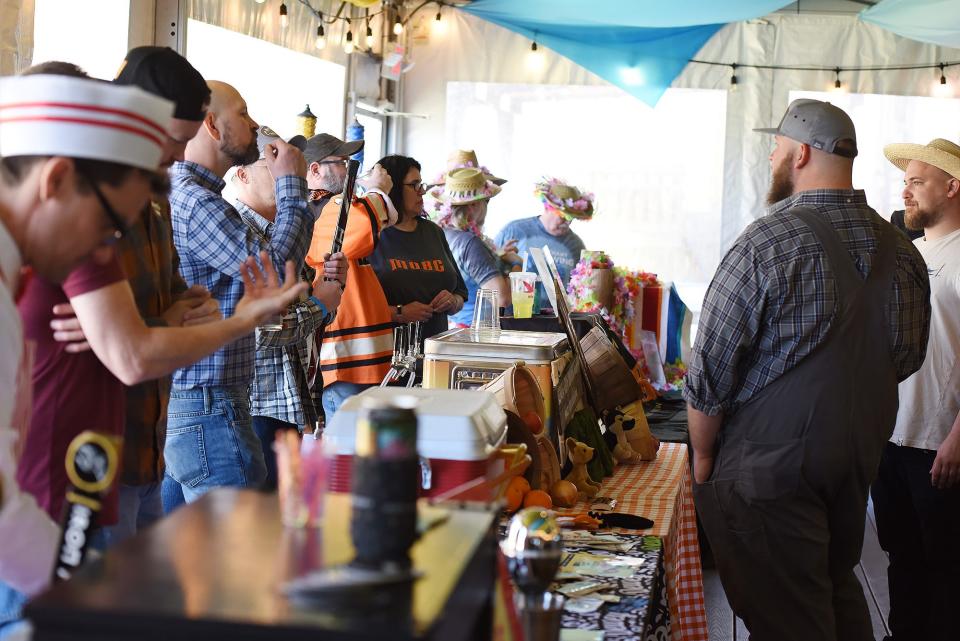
399 312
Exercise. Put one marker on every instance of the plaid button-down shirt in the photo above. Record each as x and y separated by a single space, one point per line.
151 265
213 240
774 297
281 388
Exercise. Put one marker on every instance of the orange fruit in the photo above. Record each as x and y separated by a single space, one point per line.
537 498
514 499
521 483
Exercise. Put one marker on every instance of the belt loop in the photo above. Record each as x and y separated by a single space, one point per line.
207 399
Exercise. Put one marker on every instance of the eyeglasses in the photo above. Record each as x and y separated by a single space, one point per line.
419 187
119 228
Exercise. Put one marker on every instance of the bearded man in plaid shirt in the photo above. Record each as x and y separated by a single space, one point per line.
814 315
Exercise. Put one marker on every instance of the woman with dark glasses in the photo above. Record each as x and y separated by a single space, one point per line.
413 261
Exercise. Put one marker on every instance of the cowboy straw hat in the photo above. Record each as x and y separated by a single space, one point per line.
940 153
467 185
462 159
566 199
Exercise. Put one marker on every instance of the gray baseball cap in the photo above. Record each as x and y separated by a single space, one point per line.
818 124
324 145
266 135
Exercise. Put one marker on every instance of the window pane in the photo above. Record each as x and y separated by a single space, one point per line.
657 173
94 38
275 82
373 135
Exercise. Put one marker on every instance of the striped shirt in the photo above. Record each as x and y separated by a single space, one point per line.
212 241
774 297
281 388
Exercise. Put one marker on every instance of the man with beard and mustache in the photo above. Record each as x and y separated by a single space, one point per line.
916 497
210 437
357 346
814 315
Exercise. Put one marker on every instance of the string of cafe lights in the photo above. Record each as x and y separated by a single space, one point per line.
941 87
347 18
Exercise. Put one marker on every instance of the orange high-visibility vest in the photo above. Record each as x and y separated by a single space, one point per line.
358 345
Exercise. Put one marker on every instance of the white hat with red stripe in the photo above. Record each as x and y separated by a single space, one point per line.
46 115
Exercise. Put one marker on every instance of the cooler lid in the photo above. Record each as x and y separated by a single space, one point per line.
507 344
465 425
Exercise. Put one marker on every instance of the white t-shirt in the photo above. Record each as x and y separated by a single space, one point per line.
930 398
28 537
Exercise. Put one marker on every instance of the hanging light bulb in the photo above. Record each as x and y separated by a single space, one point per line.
261 1
284 19
837 85
439 26
942 89
321 37
370 39
534 58
348 40
733 78
397 26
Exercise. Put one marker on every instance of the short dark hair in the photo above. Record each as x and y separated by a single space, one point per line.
14 169
56 68
398 167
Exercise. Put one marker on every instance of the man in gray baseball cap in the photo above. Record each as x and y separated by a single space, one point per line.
814 315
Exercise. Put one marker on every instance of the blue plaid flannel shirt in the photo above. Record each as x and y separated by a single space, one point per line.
773 298
212 241
281 388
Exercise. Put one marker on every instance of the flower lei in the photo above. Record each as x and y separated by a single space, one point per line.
627 285
543 192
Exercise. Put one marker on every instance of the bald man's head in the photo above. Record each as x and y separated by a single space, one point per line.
228 125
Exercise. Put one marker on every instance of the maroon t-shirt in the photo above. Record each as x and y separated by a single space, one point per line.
71 392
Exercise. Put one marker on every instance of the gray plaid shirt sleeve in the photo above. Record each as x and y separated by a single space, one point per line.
730 322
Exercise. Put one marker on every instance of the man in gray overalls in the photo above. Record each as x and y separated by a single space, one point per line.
815 314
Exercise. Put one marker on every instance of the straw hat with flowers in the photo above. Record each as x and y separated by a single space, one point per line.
940 153
566 199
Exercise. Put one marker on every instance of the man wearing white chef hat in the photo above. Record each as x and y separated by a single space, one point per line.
77 158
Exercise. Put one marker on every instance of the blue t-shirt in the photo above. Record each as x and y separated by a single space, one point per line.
530 232
477 264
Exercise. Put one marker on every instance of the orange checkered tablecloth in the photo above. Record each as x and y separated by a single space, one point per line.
661 490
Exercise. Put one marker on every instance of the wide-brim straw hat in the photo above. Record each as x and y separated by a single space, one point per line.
565 198
940 153
465 159
468 185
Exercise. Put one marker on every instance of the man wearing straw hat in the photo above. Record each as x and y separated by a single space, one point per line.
916 496
562 204
814 315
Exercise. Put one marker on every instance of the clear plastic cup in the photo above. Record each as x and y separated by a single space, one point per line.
302 471
486 312
523 285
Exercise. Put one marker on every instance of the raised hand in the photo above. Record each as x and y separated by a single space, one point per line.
284 159
264 297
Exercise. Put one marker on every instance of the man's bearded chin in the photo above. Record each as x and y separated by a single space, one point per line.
781 183
918 219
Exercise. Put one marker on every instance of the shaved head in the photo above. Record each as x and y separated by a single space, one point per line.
231 134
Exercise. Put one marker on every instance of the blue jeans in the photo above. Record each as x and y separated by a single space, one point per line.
140 506
335 394
171 494
211 442
266 428
11 610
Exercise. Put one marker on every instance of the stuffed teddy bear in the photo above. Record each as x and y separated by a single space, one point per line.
580 454
616 422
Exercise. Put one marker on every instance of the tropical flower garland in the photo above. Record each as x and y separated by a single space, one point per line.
627 285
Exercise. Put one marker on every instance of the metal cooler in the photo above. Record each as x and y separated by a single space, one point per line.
465 359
